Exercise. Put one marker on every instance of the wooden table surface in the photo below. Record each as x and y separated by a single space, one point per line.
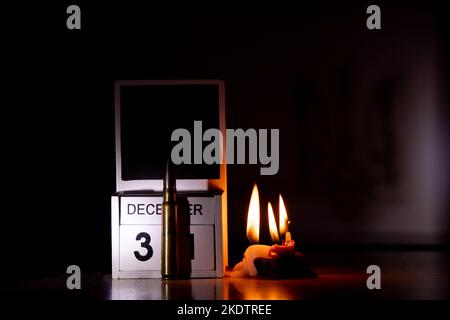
404 275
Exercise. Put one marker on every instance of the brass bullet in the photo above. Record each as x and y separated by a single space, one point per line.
175 258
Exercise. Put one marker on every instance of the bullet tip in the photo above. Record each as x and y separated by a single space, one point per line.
169 177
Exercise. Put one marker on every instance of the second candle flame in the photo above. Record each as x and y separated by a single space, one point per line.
272 224
283 218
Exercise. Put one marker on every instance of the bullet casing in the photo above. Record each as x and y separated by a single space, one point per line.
169 240
175 259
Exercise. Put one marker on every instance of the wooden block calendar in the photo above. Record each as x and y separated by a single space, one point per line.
141 152
136 241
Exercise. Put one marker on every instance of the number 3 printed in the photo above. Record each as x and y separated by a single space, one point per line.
145 244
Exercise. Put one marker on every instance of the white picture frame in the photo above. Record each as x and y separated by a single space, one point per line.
157 184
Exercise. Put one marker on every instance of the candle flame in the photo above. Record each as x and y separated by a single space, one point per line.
283 217
272 224
253 217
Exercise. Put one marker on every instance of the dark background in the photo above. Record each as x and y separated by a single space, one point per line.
363 119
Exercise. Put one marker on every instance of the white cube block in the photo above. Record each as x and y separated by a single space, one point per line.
140 247
203 252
